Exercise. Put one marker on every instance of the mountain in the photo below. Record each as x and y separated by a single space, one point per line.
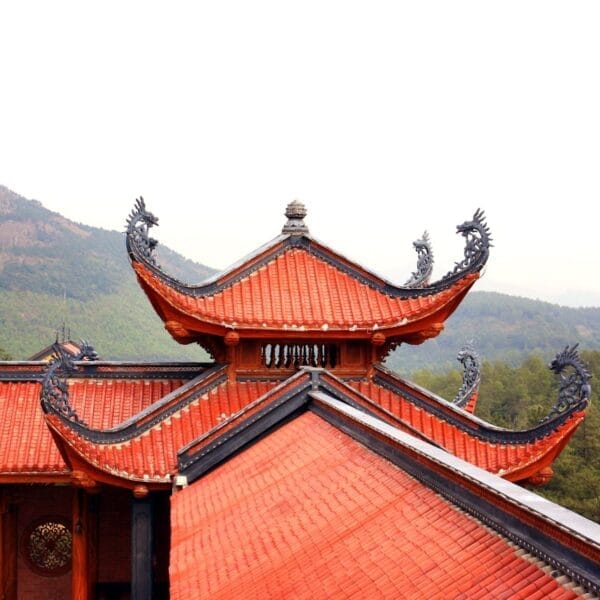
503 328
55 271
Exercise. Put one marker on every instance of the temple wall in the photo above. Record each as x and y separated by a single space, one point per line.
114 539
35 502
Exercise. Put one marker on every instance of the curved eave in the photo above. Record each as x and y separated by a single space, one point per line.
184 321
553 446
280 244
480 428
143 449
515 455
75 448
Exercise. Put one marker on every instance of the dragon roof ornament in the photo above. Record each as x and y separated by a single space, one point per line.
139 223
421 276
471 363
141 246
575 389
478 242
55 391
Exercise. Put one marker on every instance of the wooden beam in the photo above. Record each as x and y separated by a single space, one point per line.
141 548
80 573
93 529
8 548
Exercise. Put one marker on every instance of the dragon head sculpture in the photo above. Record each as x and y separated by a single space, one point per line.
139 223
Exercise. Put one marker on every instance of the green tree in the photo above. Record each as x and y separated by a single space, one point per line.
518 397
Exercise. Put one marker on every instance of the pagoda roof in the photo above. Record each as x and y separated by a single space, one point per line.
48 353
336 503
103 393
155 443
297 285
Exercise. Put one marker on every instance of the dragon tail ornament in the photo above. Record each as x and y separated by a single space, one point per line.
139 223
471 363
422 275
55 390
574 388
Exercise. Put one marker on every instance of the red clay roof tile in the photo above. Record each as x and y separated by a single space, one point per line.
298 289
153 454
323 517
496 458
26 445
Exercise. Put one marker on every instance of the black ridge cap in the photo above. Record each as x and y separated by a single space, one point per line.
199 460
130 429
275 413
573 563
350 391
470 423
279 245
103 369
451 406
299 377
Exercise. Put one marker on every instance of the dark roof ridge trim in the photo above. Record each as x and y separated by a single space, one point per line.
102 369
469 423
152 415
285 389
195 463
277 408
364 403
279 411
283 243
570 558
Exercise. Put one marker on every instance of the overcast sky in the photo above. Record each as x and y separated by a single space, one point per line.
384 118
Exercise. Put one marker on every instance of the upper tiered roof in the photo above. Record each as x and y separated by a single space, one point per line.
295 286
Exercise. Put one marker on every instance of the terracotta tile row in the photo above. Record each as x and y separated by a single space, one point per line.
153 454
297 289
26 444
497 458
323 517
105 403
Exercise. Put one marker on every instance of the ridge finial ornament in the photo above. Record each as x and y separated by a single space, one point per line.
139 223
421 276
55 390
295 213
575 389
471 362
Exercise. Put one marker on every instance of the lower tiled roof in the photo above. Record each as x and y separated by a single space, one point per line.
307 512
152 455
508 460
26 445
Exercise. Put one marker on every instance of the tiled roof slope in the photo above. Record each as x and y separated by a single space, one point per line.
151 454
146 450
298 289
320 516
26 445
464 436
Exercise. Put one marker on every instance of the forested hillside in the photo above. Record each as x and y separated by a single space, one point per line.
55 271
502 327
518 397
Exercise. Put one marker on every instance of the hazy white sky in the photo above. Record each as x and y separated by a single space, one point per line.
384 118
